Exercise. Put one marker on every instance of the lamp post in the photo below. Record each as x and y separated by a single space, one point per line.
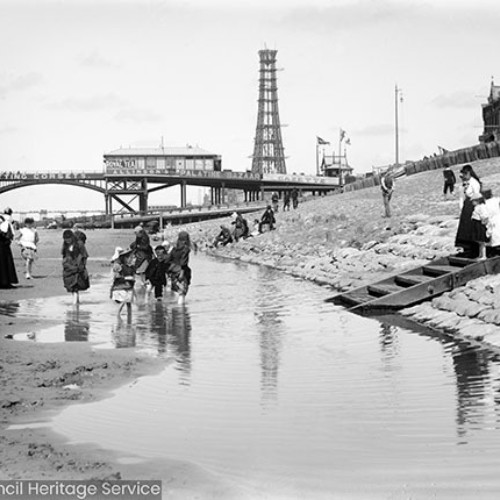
398 97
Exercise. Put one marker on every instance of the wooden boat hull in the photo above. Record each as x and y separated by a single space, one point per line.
416 285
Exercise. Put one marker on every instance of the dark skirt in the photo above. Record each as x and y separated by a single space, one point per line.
75 275
181 279
464 237
479 232
8 275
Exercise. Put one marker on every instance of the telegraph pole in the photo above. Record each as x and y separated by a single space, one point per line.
397 98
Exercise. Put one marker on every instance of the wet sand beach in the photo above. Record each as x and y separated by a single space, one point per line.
341 241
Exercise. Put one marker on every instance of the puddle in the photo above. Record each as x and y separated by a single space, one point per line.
271 385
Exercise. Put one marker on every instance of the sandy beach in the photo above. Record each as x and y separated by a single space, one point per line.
342 241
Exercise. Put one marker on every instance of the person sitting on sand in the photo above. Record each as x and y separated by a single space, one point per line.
122 288
224 237
255 228
240 227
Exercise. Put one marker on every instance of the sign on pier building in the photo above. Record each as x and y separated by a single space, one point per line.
162 159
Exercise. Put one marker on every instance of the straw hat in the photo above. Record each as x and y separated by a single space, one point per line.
118 251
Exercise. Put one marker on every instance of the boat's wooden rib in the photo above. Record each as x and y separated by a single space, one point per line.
416 285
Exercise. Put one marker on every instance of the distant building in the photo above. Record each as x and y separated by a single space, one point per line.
162 159
333 166
491 116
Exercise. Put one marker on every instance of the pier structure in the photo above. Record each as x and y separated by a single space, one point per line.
268 154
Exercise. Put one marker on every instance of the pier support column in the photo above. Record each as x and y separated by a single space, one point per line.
108 209
183 194
143 197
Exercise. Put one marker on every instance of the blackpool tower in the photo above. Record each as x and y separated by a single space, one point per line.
268 154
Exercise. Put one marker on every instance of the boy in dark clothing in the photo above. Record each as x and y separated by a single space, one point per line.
286 201
267 219
387 187
449 181
156 272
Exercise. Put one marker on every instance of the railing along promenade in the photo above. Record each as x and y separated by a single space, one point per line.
457 157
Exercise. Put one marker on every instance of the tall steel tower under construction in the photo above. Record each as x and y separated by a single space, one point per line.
268 154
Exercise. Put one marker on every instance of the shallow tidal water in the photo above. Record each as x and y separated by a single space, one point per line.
266 384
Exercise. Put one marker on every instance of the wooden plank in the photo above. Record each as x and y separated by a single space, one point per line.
384 289
460 261
353 298
434 270
412 279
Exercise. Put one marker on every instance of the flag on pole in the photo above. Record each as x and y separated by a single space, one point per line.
348 141
321 141
342 134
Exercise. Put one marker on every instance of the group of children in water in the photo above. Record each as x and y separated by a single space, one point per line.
152 268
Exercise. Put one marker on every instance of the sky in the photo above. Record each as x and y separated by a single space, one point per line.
82 78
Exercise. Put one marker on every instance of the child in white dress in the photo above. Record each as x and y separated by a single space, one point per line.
28 240
492 204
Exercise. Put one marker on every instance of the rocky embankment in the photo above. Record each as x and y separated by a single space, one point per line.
344 241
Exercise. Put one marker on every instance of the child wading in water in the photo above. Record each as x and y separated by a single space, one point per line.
122 289
179 270
75 275
28 240
156 272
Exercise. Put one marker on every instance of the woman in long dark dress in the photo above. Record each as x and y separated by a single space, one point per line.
75 275
179 270
8 275
471 188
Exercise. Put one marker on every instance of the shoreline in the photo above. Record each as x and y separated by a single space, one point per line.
329 240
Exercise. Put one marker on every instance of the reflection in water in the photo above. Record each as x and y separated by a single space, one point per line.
472 373
294 395
159 325
77 325
389 342
269 303
179 340
124 333
9 308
